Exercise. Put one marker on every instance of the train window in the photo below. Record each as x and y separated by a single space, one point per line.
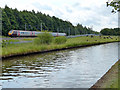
22 32
15 32
10 32
26 32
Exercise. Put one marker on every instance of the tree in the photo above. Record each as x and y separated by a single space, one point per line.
14 19
107 31
115 4
6 25
116 8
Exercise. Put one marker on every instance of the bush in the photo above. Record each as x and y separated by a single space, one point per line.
4 43
60 40
44 38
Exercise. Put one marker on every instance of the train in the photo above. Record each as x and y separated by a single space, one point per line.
22 33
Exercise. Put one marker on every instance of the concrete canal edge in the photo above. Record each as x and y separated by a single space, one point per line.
53 50
109 80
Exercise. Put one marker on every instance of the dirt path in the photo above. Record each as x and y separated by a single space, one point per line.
110 79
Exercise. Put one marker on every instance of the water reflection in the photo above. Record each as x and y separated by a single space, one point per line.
76 68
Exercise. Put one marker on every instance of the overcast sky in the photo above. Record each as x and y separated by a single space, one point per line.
90 13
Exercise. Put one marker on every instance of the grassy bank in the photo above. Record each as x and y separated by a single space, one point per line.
110 79
23 48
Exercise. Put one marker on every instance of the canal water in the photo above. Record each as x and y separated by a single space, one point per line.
75 68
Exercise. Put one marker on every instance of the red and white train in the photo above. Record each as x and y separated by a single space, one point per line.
21 33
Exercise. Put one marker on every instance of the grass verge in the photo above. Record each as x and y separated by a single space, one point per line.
24 48
110 80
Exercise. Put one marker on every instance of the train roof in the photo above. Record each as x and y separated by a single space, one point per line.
34 31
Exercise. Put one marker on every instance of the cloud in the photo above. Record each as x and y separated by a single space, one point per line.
77 4
68 9
58 12
41 6
98 16
87 12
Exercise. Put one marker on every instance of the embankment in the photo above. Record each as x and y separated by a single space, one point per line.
110 80
32 48
52 50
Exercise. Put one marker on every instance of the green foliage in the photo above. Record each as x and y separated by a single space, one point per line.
23 48
60 40
115 4
14 19
5 43
8 42
44 38
107 31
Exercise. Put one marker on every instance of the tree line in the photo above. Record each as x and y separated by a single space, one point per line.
110 31
12 19
116 8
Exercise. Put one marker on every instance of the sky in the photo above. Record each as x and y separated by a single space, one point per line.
91 13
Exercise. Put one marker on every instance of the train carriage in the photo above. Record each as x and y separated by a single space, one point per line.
20 33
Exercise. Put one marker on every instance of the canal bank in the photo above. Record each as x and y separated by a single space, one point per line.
52 50
109 80
31 48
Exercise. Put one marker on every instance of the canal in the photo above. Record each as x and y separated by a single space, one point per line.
75 68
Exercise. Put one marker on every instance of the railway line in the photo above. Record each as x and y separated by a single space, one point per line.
21 34
71 36
15 38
